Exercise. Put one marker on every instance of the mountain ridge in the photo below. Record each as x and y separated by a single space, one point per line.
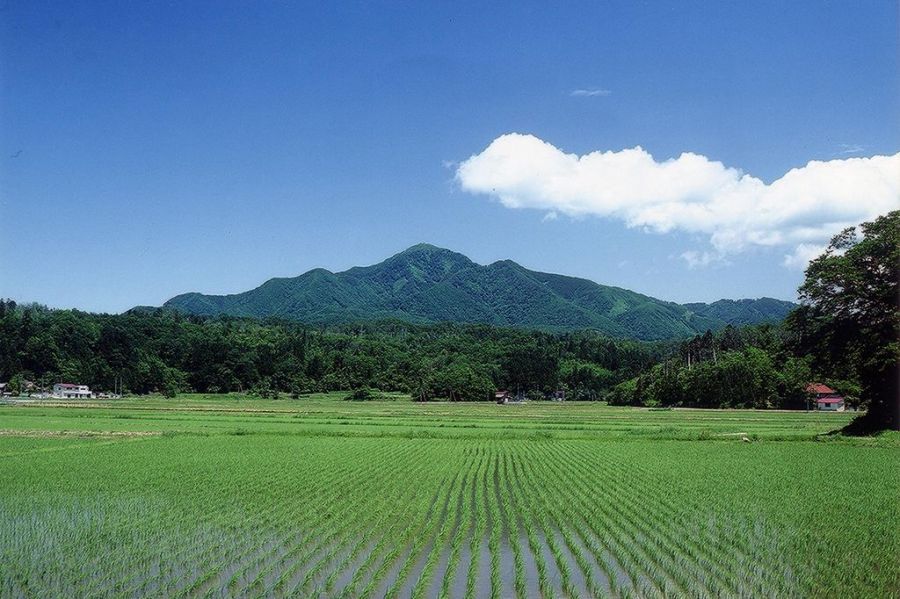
425 284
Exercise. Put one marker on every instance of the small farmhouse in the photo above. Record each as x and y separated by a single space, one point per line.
502 396
834 403
69 391
827 399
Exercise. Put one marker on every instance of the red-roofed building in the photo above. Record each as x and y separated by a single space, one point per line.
827 399
819 390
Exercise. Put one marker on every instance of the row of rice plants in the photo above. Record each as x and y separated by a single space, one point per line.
455 568
548 505
700 557
511 524
397 496
379 566
451 522
656 533
495 526
476 544
353 517
520 498
630 539
327 483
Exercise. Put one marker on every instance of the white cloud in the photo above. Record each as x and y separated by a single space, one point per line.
803 255
690 193
697 259
589 93
552 215
851 149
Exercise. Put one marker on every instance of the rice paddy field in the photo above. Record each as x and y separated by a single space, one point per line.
224 496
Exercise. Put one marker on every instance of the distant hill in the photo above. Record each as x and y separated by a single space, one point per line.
429 284
744 311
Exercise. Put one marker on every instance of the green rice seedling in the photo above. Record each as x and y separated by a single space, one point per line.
457 493
464 525
494 523
420 542
335 542
477 533
412 498
427 504
512 526
516 491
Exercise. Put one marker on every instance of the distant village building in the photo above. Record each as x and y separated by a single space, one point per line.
826 398
831 404
502 396
69 391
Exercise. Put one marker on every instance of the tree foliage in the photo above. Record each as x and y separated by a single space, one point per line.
166 352
849 319
734 369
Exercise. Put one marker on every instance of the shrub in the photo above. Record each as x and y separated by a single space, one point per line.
360 394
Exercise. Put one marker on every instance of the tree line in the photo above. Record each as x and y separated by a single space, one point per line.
163 351
751 367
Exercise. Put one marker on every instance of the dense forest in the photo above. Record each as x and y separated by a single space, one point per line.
753 367
165 351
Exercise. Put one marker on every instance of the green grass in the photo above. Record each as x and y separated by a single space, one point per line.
222 495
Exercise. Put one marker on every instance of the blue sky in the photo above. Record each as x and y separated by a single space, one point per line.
148 149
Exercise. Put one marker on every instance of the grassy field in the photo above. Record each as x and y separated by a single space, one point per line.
209 496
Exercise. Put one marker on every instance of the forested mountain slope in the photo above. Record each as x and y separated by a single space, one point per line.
429 284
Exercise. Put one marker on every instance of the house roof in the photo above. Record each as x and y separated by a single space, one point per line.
68 385
818 388
831 399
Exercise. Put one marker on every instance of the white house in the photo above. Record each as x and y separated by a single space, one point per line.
834 403
69 391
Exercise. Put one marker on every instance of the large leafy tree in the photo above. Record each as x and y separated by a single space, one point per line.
849 321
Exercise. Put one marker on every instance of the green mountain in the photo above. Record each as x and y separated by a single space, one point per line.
430 284
744 311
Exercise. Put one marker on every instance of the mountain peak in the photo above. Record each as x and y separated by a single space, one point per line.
420 263
427 283
427 249
424 247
